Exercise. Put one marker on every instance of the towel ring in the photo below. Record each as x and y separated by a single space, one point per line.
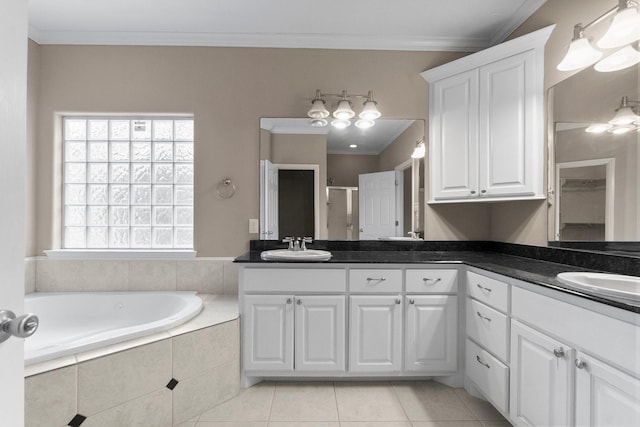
226 189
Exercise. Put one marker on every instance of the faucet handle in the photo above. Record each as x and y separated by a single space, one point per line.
290 241
306 240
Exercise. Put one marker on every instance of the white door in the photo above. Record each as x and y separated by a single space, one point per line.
380 204
320 333
507 157
540 381
268 200
605 396
454 137
375 333
13 149
268 333
431 333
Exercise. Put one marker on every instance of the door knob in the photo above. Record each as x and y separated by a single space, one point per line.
22 327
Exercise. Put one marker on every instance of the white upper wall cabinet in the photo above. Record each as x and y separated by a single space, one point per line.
486 139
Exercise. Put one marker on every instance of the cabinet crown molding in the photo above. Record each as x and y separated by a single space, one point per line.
534 40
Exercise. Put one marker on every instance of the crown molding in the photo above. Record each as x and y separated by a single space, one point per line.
302 41
523 13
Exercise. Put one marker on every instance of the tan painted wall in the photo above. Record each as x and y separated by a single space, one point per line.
345 168
33 91
229 89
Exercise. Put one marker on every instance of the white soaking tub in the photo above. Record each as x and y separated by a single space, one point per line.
73 322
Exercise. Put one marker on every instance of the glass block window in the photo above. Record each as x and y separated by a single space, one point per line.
128 183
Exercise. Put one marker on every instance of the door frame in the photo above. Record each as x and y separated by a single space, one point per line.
610 164
316 190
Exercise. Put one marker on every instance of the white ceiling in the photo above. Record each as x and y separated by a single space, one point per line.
459 25
371 141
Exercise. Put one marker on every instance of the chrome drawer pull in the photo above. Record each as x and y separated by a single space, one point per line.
376 279
426 279
484 288
483 317
486 365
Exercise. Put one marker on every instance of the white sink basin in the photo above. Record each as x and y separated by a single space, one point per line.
287 255
614 285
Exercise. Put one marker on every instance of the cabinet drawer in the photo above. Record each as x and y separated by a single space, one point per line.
374 280
432 281
489 374
294 280
487 290
489 328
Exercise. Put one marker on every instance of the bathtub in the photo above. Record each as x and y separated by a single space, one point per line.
73 322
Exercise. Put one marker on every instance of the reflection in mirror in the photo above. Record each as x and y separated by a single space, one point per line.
597 191
360 183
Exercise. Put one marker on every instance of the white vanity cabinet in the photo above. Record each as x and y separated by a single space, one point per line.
486 123
541 369
573 364
487 328
375 333
293 320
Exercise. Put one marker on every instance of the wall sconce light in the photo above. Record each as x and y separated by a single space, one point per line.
344 111
625 120
420 150
624 30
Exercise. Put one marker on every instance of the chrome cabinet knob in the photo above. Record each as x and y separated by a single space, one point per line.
581 364
299 302
558 352
289 300
473 191
412 301
483 191
398 301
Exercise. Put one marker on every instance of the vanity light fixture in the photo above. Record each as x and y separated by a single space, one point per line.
344 111
623 31
625 120
420 150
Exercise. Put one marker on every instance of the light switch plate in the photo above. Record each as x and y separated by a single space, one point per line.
253 226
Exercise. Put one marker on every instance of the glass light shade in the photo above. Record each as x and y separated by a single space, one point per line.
624 58
341 124
624 116
344 110
365 124
318 123
370 111
619 130
624 29
318 110
580 54
419 151
598 128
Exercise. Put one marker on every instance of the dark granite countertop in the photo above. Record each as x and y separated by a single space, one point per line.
530 264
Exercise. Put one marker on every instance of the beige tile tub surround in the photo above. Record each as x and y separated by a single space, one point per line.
204 275
123 385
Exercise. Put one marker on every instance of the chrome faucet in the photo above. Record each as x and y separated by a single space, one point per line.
290 241
297 243
306 240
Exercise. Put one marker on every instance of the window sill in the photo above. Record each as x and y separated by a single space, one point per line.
119 254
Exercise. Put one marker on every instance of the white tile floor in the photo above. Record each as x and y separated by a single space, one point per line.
351 404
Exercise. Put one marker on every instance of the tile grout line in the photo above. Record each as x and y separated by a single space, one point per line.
273 395
395 393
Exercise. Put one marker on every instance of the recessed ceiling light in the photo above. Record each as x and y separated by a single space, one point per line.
353 146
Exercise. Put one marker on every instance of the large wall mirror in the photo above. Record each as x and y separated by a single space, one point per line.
340 184
595 176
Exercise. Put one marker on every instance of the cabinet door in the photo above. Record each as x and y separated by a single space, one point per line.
605 396
454 137
375 333
431 335
510 149
320 333
267 326
540 385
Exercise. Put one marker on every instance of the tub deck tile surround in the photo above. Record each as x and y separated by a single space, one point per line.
204 275
127 386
